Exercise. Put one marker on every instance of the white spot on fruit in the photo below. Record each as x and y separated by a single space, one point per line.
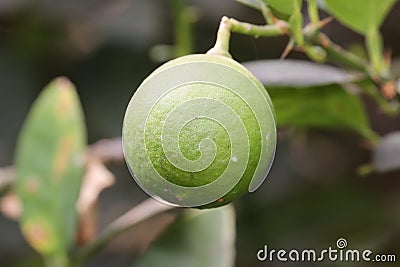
267 136
234 159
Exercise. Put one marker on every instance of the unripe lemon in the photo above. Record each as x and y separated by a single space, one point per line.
199 132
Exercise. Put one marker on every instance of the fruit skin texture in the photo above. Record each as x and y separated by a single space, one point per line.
199 132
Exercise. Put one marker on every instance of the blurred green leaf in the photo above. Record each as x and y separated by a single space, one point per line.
281 8
49 165
251 3
328 106
198 238
360 15
387 153
284 7
312 95
183 27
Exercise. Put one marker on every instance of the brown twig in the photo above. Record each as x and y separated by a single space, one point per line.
107 150
7 177
137 214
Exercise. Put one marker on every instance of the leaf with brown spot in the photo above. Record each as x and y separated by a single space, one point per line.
63 155
39 235
32 184
65 99
48 172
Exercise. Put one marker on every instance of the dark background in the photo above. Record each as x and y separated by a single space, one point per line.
312 196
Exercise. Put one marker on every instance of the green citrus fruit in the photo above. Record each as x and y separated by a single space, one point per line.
199 132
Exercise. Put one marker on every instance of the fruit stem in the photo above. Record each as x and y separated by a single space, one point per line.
221 46
229 25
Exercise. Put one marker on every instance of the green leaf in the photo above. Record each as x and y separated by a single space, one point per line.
360 15
49 165
198 238
281 8
251 3
285 7
329 107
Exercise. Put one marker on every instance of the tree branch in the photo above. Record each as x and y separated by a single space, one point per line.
312 38
340 55
137 214
7 178
107 150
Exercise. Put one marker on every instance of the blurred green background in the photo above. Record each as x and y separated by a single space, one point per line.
312 196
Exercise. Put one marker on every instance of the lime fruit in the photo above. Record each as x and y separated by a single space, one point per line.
199 132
